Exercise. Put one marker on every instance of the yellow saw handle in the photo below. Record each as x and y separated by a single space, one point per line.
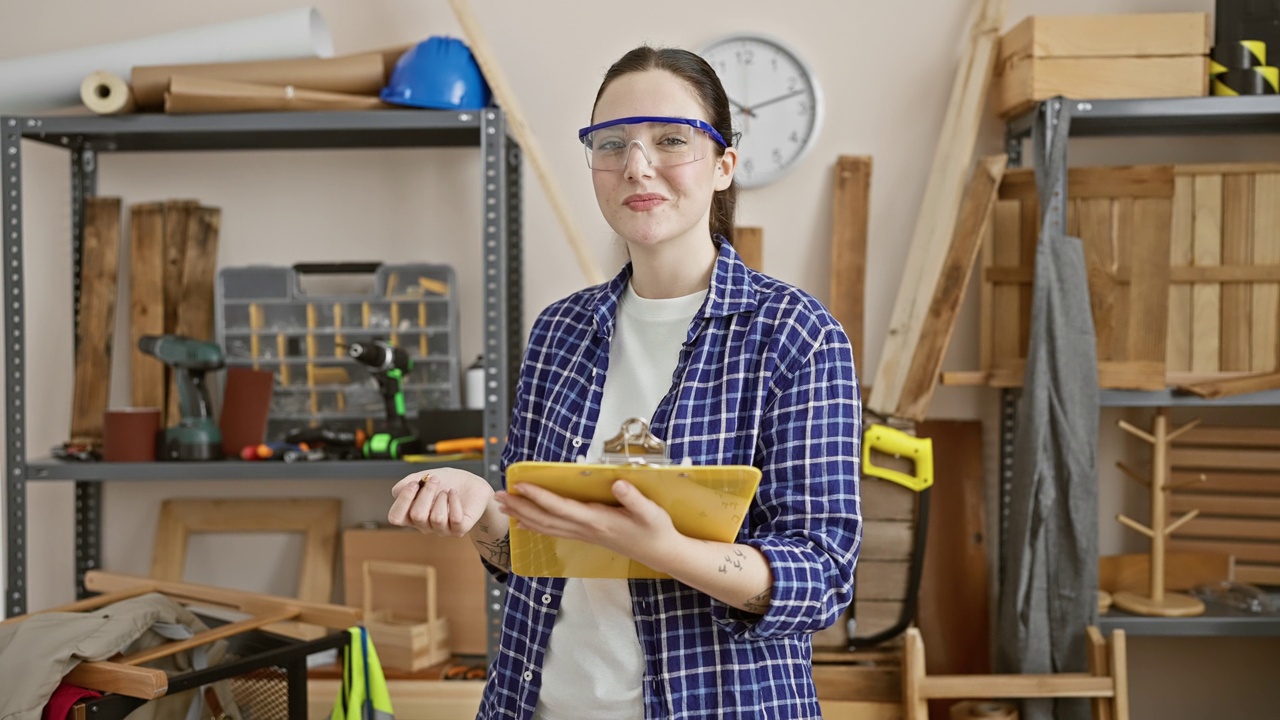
889 441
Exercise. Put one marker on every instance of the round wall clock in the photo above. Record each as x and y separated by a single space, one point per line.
776 104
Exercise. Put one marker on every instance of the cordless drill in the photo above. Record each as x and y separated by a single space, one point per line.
196 436
388 364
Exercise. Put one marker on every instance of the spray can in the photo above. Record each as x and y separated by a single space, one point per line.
474 394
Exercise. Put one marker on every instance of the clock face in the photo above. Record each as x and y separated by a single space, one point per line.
775 100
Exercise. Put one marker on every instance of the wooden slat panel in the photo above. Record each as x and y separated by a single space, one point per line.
1223 168
1243 551
1123 239
1260 437
1206 303
882 579
1265 313
1099 253
146 302
1237 300
1225 459
1182 571
1227 482
883 500
858 682
95 322
1096 182
1148 263
1227 274
1212 527
886 540
1258 574
874 616
1178 353
850 215
1005 306
1232 505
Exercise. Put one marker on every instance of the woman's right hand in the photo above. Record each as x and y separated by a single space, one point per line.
445 501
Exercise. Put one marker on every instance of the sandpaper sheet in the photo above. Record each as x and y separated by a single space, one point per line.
362 74
205 95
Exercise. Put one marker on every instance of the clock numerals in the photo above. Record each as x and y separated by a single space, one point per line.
793 83
777 157
805 108
745 56
794 136
773 62
749 166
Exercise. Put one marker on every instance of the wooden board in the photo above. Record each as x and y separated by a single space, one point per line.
1118 35
1181 254
935 223
99 265
926 361
146 302
1182 571
1026 81
196 302
850 219
1264 341
749 242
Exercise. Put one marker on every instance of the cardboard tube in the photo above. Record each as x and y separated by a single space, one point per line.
52 80
106 93
203 95
355 74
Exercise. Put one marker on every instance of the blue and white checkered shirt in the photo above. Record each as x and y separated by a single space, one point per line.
765 378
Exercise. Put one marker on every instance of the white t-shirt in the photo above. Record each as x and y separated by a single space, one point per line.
595 666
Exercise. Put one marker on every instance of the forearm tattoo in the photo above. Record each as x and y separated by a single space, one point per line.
758 604
497 551
732 561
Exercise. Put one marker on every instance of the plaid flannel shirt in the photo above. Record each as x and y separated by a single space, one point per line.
765 378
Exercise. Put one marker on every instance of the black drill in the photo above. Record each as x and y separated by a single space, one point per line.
388 364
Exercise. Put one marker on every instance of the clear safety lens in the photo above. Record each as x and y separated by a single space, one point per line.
662 144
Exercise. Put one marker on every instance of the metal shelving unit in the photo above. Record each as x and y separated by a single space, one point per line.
87 137
1173 117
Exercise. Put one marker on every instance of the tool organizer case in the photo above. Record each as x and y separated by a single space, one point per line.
266 320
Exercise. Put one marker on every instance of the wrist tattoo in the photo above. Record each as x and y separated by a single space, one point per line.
499 551
758 604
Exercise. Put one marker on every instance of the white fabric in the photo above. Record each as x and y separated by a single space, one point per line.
595 665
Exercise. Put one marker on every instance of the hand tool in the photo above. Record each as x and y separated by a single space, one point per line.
388 364
196 436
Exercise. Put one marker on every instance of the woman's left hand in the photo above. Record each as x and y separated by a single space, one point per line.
638 528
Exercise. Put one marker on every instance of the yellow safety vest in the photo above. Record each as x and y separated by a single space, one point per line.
363 695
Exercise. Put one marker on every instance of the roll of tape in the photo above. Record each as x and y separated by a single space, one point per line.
106 93
984 710
1251 81
1239 55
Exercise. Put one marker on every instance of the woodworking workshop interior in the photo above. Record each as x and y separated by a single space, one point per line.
564 360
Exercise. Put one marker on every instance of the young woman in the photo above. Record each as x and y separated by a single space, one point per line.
730 367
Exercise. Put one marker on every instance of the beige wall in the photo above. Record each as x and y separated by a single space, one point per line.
885 69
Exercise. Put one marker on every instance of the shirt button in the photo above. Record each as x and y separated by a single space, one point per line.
546 599
577 442
528 676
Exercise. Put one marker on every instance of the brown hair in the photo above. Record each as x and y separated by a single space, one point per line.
706 86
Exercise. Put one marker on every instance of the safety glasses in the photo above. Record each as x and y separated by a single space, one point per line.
664 141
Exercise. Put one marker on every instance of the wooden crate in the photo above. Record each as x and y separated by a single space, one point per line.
1184 271
1102 56
1238 499
406 641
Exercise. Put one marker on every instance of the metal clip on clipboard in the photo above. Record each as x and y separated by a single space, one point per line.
705 502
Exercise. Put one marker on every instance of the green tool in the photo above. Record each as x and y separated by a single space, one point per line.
388 364
196 436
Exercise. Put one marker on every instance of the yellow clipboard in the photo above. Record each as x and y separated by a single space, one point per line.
708 503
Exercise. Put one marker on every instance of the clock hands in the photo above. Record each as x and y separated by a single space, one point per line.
777 99
745 110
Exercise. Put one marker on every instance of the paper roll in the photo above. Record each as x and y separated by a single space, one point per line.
204 95
43 82
984 710
362 74
106 93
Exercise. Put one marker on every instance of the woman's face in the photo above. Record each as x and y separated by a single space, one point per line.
649 205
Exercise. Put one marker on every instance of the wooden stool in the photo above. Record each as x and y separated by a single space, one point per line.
1106 682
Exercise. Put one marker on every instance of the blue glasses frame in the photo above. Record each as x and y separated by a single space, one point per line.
637 119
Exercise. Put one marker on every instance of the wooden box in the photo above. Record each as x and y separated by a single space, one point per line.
405 641
457 567
1102 57
1183 264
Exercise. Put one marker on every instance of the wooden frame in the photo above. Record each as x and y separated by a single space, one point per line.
317 518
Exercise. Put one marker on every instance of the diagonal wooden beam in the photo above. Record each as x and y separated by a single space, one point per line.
939 207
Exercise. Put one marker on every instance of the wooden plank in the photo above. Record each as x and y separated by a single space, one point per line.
954 601
1096 232
1005 306
886 540
850 221
146 302
882 579
1237 298
948 296
1134 374
1234 505
1263 437
1254 168
1264 333
859 710
1206 303
1215 481
936 221
1030 235
1021 686
883 500
1182 571
1227 274
749 242
1233 386
1243 551
1118 35
1084 183
1148 260
177 216
875 616
1232 528
1028 80
1258 574
1229 459
199 267
127 680
95 323
858 682
203 638
986 294
1178 340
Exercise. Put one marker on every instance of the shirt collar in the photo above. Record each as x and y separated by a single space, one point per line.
732 290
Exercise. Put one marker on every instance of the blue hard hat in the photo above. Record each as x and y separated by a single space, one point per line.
438 72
